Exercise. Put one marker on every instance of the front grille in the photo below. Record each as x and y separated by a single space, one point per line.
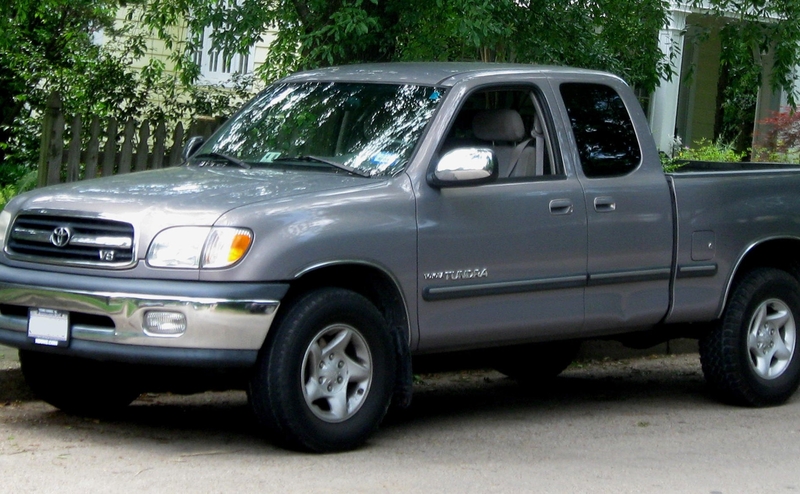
71 240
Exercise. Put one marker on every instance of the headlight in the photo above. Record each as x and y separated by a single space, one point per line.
225 246
199 247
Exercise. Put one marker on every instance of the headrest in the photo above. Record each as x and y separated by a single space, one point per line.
498 125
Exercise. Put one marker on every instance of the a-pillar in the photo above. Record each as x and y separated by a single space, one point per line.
664 102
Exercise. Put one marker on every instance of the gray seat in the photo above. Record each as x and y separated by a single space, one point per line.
517 154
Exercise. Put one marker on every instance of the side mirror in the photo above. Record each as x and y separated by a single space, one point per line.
191 147
465 166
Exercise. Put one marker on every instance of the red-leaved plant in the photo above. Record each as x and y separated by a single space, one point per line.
780 139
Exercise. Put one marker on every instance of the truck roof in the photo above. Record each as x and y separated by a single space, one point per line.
428 73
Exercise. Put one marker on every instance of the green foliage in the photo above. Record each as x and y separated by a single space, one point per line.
50 46
669 164
314 33
747 20
24 183
754 33
740 80
7 192
705 150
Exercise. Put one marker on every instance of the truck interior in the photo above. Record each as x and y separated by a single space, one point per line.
510 123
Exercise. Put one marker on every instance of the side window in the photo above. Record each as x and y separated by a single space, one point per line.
607 143
510 123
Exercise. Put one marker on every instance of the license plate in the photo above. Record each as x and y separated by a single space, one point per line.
48 327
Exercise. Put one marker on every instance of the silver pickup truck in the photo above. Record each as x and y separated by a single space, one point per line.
351 222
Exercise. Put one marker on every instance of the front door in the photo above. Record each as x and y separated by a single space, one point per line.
503 262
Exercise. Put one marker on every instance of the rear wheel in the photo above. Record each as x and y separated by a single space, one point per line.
750 357
78 386
325 380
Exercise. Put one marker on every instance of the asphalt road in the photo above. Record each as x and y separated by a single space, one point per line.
641 425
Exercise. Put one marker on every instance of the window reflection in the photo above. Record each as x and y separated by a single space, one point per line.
369 128
607 143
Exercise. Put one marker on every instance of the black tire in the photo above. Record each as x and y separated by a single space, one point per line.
536 363
78 386
750 356
310 393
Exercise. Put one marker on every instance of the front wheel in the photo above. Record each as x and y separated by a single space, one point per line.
325 379
750 357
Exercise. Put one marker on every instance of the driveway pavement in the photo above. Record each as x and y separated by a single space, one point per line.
639 425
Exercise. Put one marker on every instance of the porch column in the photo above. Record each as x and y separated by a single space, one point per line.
767 100
664 102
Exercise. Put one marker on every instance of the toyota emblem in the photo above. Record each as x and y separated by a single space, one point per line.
60 236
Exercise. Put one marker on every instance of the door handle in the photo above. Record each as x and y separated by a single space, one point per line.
605 204
561 206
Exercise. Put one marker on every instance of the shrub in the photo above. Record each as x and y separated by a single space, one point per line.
703 150
781 140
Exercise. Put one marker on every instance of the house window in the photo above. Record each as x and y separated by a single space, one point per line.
217 66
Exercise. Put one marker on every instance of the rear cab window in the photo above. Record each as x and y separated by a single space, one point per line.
604 134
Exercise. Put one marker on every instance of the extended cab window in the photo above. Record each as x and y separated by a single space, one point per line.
607 143
509 122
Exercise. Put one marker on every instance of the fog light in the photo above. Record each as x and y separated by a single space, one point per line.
160 323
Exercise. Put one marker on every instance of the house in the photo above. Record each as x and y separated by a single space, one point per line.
685 106
216 67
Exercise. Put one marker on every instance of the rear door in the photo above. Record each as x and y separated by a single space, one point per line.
628 204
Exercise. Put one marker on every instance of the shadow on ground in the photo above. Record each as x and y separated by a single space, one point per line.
440 400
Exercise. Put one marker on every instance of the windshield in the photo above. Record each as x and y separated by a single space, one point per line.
365 129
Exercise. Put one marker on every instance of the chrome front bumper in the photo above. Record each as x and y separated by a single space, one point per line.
229 320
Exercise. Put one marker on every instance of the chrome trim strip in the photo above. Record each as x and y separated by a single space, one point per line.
81 264
79 240
504 287
434 293
638 275
697 270
31 234
733 173
212 323
101 241
36 235
160 288
133 354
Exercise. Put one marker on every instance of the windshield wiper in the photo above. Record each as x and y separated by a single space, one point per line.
229 159
317 159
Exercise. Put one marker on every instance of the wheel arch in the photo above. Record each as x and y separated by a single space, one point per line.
773 252
371 281
377 285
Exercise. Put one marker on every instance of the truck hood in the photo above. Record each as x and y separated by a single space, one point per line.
157 199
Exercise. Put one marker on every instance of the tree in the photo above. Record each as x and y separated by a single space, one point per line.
754 32
48 45
616 35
